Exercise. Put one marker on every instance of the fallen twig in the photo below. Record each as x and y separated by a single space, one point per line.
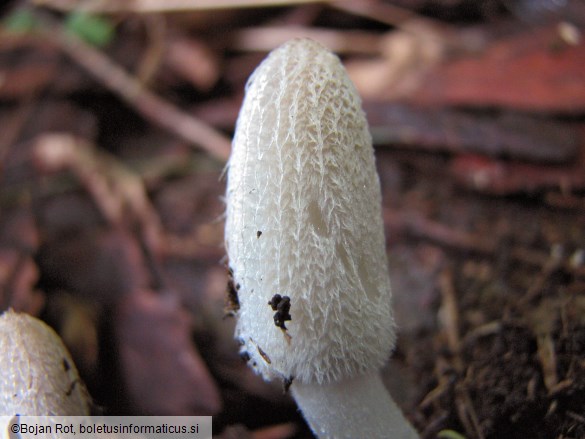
414 223
118 193
382 12
450 324
510 134
13 126
154 6
449 313
146 102
143 100
267 38
500 177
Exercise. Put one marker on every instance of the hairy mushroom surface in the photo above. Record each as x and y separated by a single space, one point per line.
305 238
37 374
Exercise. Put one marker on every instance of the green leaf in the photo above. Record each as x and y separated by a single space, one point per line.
94 30
20 21
449 434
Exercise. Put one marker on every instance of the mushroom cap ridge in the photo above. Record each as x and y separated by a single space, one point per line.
304 221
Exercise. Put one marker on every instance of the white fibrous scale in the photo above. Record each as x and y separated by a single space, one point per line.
304 221
37 374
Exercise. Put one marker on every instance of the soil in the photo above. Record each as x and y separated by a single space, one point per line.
504 354
111 231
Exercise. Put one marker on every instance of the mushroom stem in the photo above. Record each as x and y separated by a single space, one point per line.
355 407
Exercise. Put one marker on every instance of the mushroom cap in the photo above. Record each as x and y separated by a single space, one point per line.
304 221
37 374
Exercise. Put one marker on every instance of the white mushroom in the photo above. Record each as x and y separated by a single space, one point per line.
305 241
37 374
